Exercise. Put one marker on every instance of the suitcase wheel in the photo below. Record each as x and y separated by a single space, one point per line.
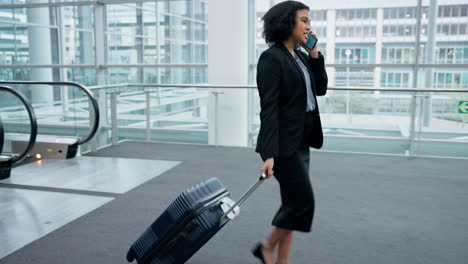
130 255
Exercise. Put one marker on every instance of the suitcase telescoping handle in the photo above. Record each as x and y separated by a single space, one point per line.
246 195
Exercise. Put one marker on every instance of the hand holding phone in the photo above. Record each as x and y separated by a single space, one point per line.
311 42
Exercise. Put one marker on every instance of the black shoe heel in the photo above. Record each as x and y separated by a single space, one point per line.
257 251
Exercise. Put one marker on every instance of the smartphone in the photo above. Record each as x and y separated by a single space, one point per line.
311 42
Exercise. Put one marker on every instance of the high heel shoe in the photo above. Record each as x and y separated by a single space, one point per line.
257 251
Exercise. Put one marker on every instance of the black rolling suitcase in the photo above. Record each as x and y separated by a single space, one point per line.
187 224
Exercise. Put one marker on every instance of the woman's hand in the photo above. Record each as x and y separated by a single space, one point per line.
314 52
267 167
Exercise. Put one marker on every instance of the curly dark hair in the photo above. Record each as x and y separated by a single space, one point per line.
279 21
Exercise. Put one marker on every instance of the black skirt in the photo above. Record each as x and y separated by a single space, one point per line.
297 198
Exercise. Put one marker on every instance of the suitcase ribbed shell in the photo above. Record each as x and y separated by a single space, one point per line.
183 227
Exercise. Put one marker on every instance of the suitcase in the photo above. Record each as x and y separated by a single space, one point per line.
187 224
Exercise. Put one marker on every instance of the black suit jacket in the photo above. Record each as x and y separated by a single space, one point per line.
283 99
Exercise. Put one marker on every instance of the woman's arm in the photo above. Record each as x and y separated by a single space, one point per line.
268 83
320 74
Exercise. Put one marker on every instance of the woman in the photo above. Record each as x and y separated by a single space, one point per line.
288 82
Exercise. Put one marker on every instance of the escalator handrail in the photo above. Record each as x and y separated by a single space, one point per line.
1 135
32 120
84 89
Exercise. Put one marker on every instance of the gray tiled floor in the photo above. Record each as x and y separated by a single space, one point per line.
27 215
370 209
114 175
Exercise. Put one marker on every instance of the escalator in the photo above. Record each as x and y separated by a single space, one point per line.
57 146
8 161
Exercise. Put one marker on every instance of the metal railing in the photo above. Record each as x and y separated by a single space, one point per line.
216 90
213 86
94 115
143 123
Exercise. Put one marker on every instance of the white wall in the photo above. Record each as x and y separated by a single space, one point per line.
228 65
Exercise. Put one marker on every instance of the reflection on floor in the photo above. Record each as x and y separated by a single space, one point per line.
27 215
41 197
114 175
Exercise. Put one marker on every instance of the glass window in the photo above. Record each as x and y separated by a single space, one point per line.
442 55
79 48
445 29
401 30
411 57
83 76
365 14
457 79
130 36
383 79
391 56
404 54
343 56
398 79
464 11
424 30
456 11
440 79
365 54
399 55
446 11
464 80
390 78
385 30
340 15
372 55
440 11
459 55
453 29
393 13
357 55
386 13
448 79
424 11
462 29
180 8
408 30
406 79
412 12
358 31
450 55
401 12
358 13
366 32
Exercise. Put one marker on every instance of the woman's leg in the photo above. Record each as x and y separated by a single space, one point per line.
296 211
269 244
284 249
